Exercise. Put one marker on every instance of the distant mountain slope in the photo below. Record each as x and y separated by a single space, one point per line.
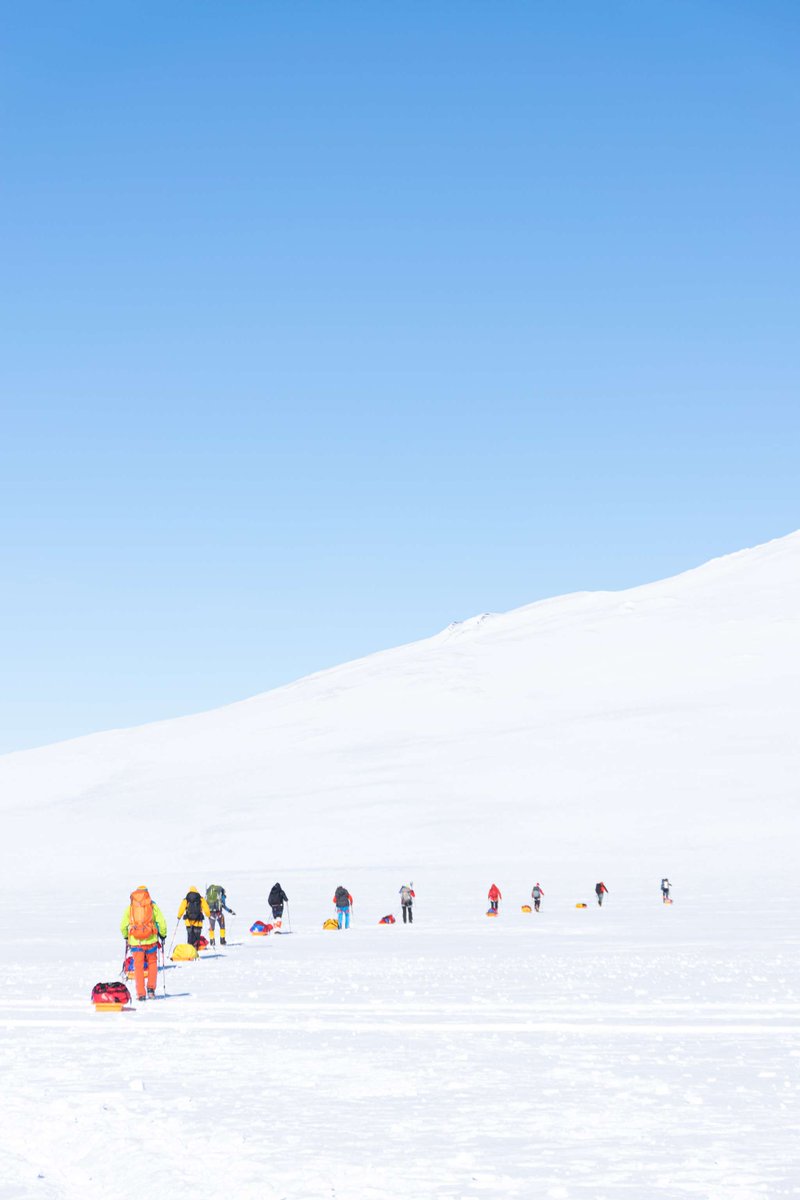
660 718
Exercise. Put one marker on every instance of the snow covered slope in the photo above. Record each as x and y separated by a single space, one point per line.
658 726
633 1050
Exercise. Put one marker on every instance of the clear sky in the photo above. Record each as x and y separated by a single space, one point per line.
325 324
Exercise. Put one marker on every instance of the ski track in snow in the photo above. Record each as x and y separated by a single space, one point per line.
628 1052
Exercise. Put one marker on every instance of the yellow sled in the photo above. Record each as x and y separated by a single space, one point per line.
526 908
581 905
331 923
183 952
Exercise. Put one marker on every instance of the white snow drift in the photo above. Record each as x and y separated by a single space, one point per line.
657 724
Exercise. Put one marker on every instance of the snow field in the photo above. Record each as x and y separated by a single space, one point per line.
615 1054
631 1051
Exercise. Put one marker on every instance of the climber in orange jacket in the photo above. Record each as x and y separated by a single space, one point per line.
143 925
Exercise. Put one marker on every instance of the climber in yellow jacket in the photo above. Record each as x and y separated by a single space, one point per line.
193 909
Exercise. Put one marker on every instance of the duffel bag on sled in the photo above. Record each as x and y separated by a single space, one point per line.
110 997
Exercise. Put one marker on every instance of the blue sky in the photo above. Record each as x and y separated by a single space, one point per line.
327 324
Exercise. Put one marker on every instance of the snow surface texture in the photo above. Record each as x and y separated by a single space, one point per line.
632 1051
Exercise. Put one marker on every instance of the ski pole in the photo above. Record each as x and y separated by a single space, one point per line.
289 916
163 966
174 934
124 970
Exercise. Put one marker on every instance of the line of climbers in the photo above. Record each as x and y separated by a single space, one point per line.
537 892
145 930
195 908
344 904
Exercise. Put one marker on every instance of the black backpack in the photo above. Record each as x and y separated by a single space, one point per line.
342 897
194 907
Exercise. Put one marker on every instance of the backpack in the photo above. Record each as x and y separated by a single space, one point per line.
342 897
537 893
194 907
405 895
214 894
142 925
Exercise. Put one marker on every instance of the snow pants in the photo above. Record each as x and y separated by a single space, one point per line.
600 899
145 957
407 909
492 906
665 894
217 917
277 911
194 931
344 917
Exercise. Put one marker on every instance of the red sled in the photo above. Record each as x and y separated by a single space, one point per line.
388 920
260 929
110 997
201 943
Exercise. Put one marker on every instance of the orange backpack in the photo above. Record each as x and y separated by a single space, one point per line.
142 925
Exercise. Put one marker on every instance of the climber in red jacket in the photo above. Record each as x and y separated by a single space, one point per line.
495 895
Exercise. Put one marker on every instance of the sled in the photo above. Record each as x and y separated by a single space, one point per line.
331 923
111 997
387 920
183 952
260 928
526 908
492 913
668 902
581 905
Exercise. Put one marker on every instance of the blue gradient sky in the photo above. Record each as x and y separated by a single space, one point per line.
326 324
